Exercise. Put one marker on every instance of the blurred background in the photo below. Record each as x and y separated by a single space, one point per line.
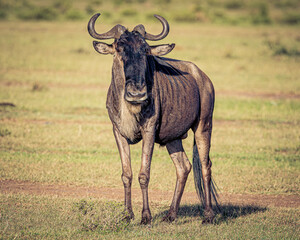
233 12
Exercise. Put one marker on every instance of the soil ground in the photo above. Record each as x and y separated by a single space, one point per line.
35 188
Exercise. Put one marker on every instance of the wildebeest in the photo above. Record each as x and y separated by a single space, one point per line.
158 100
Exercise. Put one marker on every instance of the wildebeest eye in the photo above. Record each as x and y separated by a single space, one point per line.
145 49
119 49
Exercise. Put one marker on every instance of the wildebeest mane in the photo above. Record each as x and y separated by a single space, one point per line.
167 70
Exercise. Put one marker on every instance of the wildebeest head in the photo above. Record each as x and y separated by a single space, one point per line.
132 50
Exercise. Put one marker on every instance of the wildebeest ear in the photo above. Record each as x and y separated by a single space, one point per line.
103 48
160 50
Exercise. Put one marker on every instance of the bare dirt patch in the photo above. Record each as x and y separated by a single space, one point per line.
35 188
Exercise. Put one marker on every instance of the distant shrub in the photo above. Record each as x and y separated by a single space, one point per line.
4 9
278 48
37 13
219 16
62 6
74 14
5 4
3 14
286 3
229 54
117 2
120 2
234 4
200 12
129 12
185 16
90 9
4 132
198 8
106 14
283 50
262 14
37 87
291 18
96 2
81 51
159 2
92 6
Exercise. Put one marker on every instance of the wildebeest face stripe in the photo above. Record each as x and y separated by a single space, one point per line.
133 50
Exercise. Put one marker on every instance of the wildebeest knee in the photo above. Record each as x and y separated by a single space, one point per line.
188 166
126 180
143 180
183 172
206 163
182 175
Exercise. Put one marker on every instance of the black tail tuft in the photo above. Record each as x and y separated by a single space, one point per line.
198 179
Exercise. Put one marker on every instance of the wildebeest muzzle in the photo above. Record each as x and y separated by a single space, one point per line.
134 94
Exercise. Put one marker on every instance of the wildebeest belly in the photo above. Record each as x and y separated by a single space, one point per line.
180 107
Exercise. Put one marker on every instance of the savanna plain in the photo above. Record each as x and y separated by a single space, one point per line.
54 130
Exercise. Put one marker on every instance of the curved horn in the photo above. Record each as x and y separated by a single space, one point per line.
115 32
141 29
164 32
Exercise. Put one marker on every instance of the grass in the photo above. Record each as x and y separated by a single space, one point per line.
24 216
59 130
54 128
67 159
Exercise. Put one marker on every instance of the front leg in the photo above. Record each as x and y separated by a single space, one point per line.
124 151
144 175
183 168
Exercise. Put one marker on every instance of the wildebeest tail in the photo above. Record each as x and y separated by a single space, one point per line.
198 179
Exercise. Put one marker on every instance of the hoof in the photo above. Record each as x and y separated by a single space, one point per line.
146 218
128 216
146 221
208 217
208 221
170 217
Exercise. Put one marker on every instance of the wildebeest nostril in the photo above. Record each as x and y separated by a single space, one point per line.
132 94
137 95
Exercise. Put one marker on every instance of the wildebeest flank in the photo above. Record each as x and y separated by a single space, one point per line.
157 99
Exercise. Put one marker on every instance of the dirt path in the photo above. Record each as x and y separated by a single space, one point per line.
34 188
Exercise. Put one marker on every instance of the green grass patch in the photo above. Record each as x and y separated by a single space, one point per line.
249 152
105 218
24 217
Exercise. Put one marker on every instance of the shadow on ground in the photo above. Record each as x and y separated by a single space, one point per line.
226 212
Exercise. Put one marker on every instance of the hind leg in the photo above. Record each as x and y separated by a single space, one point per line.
183 168
203 139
